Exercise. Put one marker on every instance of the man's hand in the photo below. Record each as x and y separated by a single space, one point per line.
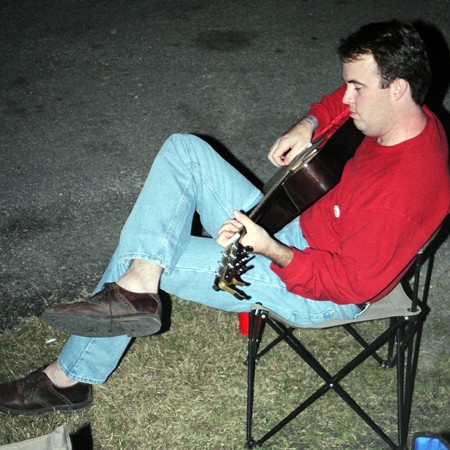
254 237
291 144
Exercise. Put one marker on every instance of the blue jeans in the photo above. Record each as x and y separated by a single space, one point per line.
187 176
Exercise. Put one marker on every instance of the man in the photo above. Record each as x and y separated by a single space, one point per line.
349 248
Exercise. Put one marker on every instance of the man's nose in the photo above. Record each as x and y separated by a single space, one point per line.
347 98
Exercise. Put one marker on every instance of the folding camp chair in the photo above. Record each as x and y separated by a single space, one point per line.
405 314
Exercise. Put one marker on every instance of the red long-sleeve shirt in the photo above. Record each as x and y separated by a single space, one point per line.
364 233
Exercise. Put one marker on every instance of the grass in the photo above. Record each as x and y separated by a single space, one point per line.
186 388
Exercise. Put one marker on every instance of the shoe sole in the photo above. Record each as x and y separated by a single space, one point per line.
62 408
135 325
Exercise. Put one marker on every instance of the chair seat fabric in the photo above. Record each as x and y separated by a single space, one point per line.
394 304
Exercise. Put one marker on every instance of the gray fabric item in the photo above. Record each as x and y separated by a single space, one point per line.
57 440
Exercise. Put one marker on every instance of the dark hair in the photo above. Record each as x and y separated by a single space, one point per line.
398 51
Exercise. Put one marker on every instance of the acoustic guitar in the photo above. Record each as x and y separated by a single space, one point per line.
290 191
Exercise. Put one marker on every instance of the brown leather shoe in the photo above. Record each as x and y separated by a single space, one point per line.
114 311
36 394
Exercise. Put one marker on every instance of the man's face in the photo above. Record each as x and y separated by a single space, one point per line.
371 107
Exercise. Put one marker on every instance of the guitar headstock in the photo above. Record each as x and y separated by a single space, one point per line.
232 265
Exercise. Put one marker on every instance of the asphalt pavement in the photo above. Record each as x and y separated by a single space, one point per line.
89 90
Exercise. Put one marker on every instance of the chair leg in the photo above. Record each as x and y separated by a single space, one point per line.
256 329
400 387
408 347
390 360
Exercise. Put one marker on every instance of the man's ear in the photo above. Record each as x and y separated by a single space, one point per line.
399 87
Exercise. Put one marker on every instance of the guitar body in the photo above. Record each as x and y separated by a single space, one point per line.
311 181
